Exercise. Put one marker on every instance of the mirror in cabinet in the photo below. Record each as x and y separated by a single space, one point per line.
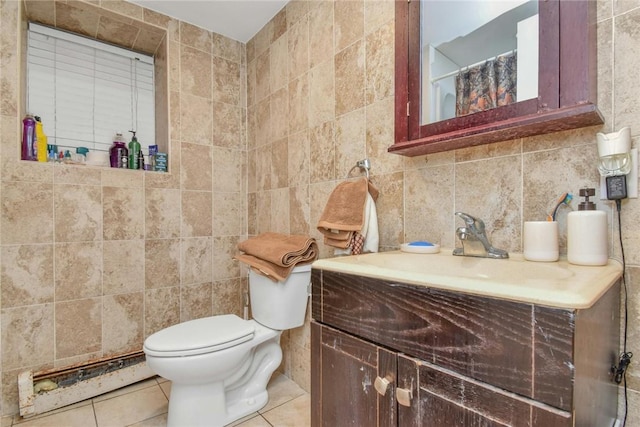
513 69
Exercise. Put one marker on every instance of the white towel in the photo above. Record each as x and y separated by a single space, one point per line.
369 229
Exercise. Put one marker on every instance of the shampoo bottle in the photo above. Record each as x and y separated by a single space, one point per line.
134 150
41 141
28 137
587 233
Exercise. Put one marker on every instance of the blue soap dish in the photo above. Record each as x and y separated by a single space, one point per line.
420 247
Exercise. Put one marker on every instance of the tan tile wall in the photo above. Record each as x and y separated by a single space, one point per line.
337 79
319 97
94 260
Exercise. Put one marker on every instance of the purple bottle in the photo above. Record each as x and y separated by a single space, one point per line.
118 153
28 137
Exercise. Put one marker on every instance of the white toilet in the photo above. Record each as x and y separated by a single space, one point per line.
219 366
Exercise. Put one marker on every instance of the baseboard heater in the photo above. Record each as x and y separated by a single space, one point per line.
44 391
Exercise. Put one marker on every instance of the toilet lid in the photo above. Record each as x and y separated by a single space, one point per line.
199 336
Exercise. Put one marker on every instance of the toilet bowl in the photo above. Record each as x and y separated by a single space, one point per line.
219 366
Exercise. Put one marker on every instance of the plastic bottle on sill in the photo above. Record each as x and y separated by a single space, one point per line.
118 152
41 142
134 150
28 137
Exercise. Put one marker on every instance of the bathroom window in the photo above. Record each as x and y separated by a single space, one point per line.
86 91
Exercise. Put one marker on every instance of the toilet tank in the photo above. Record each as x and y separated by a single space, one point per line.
280 305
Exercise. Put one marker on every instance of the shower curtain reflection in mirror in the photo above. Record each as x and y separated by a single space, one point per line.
488 85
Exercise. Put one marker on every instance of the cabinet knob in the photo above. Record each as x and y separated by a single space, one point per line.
404 396
381 385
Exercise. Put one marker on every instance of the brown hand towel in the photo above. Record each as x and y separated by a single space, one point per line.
344 212
275 255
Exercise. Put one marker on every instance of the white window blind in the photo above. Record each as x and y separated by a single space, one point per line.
86 91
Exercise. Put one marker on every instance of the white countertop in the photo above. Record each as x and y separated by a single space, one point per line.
553 284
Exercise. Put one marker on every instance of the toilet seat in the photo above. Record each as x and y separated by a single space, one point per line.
199 336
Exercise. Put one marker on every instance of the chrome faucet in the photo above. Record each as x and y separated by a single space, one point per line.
474 239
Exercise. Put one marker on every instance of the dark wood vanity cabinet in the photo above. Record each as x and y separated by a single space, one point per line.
454 359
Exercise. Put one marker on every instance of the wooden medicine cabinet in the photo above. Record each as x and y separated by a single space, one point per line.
566 79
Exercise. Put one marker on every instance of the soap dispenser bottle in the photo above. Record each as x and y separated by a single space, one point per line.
587 233
134 150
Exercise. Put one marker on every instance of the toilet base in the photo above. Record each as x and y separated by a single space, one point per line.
204 406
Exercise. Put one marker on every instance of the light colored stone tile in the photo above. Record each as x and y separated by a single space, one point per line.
321 37
349 22
140 385
298 54
162 213
298 105
195 301
196 37
27 274
123 319
226 81
197 213
263 167
279 163
281 390
627 60
195 127
196 167
377 13
264 212
322 148
298 159
380 136
228 213
263 79
123 266
78 270
162 263
161 309
227 126
196 261
27 338
280 210
224 267
195 72
294 413
81 416
605 76
279 60
228 167
227 48
350 142
349 78
380 71
279 114
227 296
296 10
252 420
26 212
499 209
78 326
123 213
299 210
390 209
132 407
429 205
322 106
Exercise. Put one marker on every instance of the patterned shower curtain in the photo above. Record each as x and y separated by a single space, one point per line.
486 86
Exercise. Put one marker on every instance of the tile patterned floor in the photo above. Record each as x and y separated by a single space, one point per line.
145 404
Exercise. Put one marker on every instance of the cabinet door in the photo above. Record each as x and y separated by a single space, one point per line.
345 369
440 397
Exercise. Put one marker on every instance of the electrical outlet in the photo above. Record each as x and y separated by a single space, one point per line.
632 179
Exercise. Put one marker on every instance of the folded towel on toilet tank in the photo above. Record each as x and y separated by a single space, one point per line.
274 255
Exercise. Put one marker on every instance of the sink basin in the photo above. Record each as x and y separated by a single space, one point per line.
557 284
